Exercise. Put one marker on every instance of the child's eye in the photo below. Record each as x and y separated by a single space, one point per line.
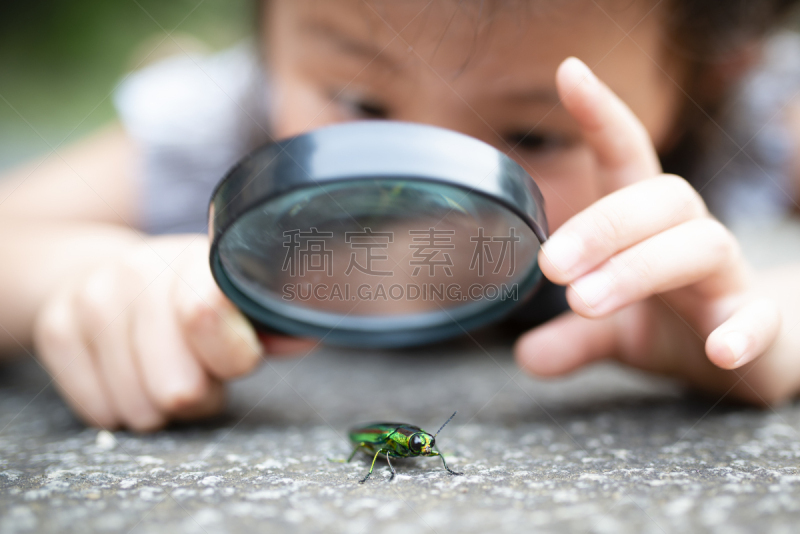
363 108
371 110
534 142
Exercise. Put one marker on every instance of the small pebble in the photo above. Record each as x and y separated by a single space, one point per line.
105 440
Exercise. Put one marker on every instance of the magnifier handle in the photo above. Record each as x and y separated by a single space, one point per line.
265 330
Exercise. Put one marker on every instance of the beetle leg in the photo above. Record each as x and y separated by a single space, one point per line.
440 455
340 461
390 467
372 466
355 451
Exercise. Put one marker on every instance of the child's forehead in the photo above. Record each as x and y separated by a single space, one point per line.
452 31
476 19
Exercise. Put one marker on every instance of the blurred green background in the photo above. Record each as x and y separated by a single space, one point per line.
61 59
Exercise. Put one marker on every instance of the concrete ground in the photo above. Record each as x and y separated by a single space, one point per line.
606 450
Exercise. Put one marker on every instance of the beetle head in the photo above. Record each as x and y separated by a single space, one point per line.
421 443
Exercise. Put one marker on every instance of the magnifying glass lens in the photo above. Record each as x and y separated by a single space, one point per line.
376 234
379 254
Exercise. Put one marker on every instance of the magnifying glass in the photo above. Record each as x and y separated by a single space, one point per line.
376 234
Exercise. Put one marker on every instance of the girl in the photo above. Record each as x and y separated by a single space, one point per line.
595 98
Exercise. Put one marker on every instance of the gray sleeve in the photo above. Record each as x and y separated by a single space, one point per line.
192 117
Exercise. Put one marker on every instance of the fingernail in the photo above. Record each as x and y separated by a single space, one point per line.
737 344
582 70
593 288
563 251
242 329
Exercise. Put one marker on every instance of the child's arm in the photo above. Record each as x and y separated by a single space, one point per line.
133 328
654 280
77 205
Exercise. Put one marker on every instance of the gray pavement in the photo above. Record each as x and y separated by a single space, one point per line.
606 450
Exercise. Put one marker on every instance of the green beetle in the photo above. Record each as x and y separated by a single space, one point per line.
395 440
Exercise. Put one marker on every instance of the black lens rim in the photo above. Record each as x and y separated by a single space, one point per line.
369 150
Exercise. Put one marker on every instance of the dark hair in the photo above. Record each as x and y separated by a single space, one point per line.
704 30
715 39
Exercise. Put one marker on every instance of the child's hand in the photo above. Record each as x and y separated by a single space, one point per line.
137 342
655 281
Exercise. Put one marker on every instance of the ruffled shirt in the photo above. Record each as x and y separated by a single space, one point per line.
192 117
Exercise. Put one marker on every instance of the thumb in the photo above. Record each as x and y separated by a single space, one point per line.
566 343
217 333
621 144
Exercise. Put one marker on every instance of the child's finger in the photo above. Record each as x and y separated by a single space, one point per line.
746 335
211 404
565 344
616 222
622 146
686 254
126 388
174 379
63 351
103 310
218 334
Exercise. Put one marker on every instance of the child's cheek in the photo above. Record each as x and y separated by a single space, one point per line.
568 181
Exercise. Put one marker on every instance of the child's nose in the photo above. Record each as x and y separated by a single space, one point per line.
438 104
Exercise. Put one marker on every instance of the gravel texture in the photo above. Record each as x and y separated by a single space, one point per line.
605 450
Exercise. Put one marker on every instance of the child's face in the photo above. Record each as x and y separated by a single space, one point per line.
488 74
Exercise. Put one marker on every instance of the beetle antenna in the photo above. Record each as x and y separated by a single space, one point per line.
440 429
